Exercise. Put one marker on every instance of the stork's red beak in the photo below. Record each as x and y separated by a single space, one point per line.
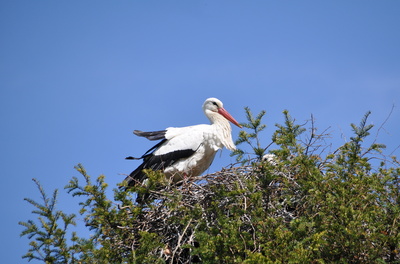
228 116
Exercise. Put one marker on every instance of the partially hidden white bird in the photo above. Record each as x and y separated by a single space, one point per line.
186 151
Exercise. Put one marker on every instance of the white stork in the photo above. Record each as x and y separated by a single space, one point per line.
186 151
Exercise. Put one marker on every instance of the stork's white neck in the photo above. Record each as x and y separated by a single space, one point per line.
222 129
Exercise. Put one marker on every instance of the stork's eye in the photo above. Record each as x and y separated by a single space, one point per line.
214 103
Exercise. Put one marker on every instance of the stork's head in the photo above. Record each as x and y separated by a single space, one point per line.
214 106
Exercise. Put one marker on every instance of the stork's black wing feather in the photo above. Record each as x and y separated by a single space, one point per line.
156 162
150 151
154 135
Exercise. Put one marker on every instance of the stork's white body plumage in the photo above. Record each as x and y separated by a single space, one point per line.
187 151
205 142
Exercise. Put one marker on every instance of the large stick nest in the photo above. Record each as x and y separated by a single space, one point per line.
166 216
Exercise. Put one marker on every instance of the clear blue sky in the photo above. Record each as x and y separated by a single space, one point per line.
77 77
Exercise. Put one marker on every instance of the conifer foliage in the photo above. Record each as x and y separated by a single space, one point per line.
300 203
